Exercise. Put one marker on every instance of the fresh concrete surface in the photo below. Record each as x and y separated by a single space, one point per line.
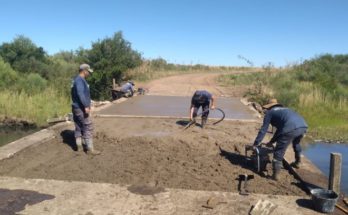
176 106
99 198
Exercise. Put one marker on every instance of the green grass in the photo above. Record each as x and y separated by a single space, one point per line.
323 105
36 108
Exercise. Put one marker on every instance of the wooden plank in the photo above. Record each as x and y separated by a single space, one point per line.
308 174
335 172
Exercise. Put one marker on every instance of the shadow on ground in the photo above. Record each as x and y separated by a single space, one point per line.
237 159
13 201
184 123
305 203
68 137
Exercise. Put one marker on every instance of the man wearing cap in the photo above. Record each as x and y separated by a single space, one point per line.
81 107
291 127
204 99
128 89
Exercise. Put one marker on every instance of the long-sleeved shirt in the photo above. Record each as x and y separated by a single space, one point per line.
80 94
127 87
284 119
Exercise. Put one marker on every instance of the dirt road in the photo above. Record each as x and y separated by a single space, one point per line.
186 85
155 152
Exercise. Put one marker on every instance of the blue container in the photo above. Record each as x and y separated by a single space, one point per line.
324 200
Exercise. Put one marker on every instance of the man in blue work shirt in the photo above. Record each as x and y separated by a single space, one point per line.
128 89
204 99
291 127
81 108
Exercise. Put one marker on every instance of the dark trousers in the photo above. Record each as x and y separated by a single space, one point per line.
83 124
205 109
284 140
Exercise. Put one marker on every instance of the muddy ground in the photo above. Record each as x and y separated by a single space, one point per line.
152 152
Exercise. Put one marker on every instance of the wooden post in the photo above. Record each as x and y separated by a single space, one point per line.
335 172
113 84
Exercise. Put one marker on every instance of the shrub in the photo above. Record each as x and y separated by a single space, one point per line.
25 57
32 84
8 76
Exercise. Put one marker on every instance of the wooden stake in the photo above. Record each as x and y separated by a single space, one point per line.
113 84
335 172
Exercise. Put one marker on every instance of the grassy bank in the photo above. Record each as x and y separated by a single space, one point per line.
34 108
317 89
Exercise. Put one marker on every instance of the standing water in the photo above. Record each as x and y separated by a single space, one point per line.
9 134
319 154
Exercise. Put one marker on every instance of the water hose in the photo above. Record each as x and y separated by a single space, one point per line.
218 109
200 114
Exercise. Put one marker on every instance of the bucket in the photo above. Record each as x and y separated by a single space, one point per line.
324 200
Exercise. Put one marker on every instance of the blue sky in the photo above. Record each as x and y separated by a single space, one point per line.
210 32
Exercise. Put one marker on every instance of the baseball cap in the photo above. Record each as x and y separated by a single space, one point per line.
86 67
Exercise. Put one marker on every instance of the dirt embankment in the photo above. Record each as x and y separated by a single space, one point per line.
11 122
152 152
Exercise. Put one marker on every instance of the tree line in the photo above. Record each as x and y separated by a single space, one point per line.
26 67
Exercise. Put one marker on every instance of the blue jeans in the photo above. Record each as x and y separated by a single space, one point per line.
284 140
83 124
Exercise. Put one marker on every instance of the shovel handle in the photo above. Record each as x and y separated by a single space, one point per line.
342 208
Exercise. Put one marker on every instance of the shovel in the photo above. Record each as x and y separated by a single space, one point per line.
243 183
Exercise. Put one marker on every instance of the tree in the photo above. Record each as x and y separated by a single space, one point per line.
110 58
25 57
8 76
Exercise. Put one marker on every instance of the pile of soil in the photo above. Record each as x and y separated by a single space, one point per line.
152 152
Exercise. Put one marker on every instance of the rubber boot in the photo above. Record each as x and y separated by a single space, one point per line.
297 163
277 165
79 146
90 147
204 121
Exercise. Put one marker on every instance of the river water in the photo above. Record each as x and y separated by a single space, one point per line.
319 154
8 135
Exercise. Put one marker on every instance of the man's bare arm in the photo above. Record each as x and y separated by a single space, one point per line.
213 101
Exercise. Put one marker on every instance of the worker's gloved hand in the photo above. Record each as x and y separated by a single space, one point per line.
269 144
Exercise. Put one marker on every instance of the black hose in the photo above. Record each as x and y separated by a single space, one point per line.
218 109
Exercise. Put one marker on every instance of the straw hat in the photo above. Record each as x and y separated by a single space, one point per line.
271 103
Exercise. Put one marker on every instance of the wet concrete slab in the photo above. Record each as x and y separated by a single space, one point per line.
176 107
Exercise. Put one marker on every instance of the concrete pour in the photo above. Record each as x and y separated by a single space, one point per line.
176 107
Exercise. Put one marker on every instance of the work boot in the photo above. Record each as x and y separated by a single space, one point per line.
90 147
297 163
204 121
78 141
277 165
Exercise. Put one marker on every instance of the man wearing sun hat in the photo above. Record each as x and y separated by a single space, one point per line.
81 107
291 127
